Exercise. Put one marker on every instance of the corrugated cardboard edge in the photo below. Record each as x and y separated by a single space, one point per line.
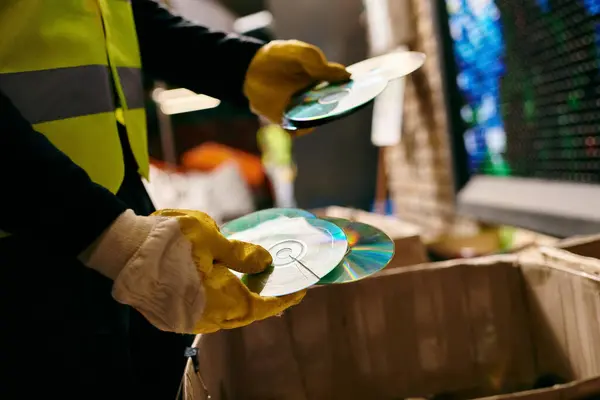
565 260
193 384
586 246
480 261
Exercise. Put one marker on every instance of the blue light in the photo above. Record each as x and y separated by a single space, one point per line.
592 6
478 52
544 5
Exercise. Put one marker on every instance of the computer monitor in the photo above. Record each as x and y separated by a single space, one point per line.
522 81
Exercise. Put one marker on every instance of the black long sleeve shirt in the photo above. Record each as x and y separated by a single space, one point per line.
44 195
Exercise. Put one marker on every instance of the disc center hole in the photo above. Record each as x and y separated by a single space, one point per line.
284 253
334 97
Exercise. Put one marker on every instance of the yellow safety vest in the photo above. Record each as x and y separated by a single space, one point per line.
57 60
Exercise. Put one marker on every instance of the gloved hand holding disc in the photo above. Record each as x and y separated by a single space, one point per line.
326 101
304 249
307 250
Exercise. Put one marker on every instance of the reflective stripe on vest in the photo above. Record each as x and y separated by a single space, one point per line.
56 66
56 94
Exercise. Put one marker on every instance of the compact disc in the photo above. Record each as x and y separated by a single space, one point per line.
304 250
389 66
327 101
369 251
255 218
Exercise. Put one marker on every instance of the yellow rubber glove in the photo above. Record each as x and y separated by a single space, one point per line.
173 267
282 68
229 303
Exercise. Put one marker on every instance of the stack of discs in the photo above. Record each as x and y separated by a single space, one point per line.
327 101
369 251
307 250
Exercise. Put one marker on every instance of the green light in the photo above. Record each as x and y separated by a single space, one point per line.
573 100
529 109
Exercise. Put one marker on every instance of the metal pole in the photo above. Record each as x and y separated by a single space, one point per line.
167 137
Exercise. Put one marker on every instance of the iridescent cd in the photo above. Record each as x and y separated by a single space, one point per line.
329 101
255 218
304 250
389 66
369 251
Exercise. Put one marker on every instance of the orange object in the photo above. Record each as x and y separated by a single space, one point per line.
209 156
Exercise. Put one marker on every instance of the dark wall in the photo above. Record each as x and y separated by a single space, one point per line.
337 164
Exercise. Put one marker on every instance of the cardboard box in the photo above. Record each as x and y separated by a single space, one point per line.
466 329
585 246
410 249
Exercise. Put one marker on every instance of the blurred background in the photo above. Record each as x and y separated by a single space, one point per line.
491 145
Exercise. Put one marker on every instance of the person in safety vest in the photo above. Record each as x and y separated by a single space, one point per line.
100 293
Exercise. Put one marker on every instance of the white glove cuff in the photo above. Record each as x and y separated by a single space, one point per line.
162 282
150 261
117 245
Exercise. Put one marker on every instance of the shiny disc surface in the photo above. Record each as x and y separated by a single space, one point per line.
389 66
369 251
329 101
251 220
304 250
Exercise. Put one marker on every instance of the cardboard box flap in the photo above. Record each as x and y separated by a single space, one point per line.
557 258
504 259
586 246
564 301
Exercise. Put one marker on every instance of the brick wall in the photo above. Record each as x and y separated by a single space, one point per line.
419 169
